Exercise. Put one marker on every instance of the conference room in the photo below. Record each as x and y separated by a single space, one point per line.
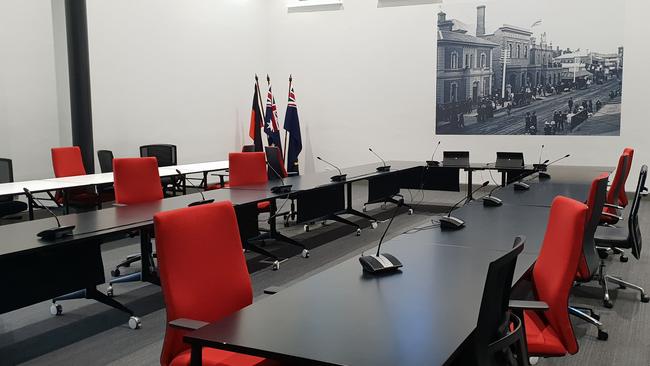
324 182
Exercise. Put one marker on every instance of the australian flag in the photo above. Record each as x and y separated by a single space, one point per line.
292 126
271 121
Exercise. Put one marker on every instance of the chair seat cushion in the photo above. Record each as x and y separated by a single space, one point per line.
12 207
612 236
212 187
215 357
541 339
264 206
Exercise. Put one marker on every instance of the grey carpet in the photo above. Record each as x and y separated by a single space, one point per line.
91 334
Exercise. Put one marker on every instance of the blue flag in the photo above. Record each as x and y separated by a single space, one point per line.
271 126
292 126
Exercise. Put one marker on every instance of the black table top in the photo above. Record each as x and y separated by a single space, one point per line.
344 317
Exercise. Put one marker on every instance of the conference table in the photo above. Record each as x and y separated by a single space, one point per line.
419 315
66 183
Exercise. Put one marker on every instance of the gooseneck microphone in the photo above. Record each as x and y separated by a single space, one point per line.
434 162
454 223
336 178
283 188
384 262
57 232
197 203
383 168
543 175
492 201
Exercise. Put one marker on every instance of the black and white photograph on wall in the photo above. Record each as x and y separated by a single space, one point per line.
529 67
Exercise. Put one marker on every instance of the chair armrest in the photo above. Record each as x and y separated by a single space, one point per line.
292 174
272 290
189 324
527 305
612 215
614 206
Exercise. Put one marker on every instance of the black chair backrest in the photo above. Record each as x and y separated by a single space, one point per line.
165 153
273 158
633 219
248 148
509 159
6 175
105 158
597 204
493 319
455 158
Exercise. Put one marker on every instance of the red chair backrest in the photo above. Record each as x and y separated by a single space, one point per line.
136 180
247 169
622 197
618 183
189 242
557 265
67 161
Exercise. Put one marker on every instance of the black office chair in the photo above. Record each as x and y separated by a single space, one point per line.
627 235
105 158
9 206
166 156
499 337
276 167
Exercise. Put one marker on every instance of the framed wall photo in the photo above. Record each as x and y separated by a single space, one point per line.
297 4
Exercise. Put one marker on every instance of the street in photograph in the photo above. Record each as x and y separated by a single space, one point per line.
526 67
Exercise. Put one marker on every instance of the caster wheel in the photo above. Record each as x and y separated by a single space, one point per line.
358 232
306 227
109 291
602 335
115 272
645 298
364 209
56 309
135 323
410 211
276 265
623 258
374 224
608 304
305 253
533 360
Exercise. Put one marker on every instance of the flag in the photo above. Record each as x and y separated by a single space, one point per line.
292 126
271 120
257 119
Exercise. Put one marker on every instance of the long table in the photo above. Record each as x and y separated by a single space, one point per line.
418 316
65 183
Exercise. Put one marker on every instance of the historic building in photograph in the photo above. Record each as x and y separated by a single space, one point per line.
464 65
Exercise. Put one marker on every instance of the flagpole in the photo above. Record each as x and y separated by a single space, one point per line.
284 156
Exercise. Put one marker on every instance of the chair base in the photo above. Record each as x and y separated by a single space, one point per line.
591 318
92 294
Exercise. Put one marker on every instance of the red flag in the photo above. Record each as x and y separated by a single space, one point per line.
257 119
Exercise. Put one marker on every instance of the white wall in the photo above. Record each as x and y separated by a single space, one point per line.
29 118
174 72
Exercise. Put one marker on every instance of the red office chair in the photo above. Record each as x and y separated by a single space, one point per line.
136 180
613 202
549 332
67 162
590 266
190 242
622 196
222 175
248 169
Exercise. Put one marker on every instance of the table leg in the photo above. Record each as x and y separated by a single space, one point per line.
470 182
196 356
66 204
30 206
149 273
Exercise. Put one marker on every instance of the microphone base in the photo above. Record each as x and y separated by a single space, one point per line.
540 167
521 186
339 178
281 189
451 223
432 163
383 168
56 232
380 264
544 176
199 203
492 201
